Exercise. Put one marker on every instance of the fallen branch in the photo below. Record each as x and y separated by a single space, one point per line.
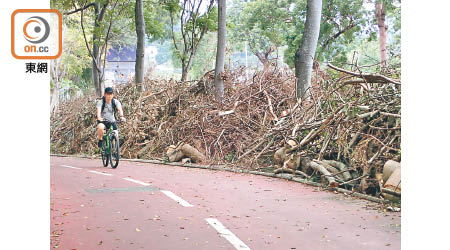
367 77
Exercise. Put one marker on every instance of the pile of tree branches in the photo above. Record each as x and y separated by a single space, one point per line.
349 124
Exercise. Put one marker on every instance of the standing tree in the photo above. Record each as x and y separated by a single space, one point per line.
194 24
105 12
140 45
221 43
342 22
380 13
261 23
70 65
304 57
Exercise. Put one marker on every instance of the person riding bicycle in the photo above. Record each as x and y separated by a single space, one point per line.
106 109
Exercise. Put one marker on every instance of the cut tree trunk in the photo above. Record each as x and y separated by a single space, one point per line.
341 166
389 168
393 184
192 153
174 154
318 167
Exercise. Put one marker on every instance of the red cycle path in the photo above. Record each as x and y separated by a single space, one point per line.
94 211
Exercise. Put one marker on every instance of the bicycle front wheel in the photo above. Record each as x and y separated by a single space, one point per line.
105 155
114 157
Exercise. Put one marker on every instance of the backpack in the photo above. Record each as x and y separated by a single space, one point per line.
113 102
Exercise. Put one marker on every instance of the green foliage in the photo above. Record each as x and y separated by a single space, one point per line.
195 25
262 23
172 6
164 52
157 21
229 157
346 26
205 56
123 33
341 22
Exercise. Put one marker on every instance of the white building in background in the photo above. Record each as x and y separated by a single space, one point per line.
150 56
120 64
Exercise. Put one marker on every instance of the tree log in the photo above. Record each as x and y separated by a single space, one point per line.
341 166
389 168
331 180
330 169
192 153
174 154
394 181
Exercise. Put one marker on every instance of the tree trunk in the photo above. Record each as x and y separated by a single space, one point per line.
185 67
95 52
304 57
184 72
266 65
54 101
221 43
140 47
380 9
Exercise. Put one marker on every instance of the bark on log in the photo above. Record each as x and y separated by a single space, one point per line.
284 170
341 166
393 184
375 78
330 169
174 154
280 155
192 153
394 181
331 180
390 192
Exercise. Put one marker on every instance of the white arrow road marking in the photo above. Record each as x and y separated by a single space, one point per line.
95 172
69 167
136 181
227 234
176 198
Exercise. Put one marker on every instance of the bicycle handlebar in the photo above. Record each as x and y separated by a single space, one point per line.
117 121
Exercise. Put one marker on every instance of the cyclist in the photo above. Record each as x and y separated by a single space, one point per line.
106 110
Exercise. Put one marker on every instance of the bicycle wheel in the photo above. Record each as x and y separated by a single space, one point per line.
105 156
114 157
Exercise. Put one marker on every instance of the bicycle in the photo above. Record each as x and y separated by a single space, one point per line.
110 148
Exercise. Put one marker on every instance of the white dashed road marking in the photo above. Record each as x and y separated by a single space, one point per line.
176 198
95 172
227 234
166 192
136 181
69 167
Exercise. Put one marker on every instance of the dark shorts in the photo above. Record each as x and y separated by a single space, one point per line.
108 124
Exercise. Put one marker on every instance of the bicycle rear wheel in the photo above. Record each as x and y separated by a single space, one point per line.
114 157
105 156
